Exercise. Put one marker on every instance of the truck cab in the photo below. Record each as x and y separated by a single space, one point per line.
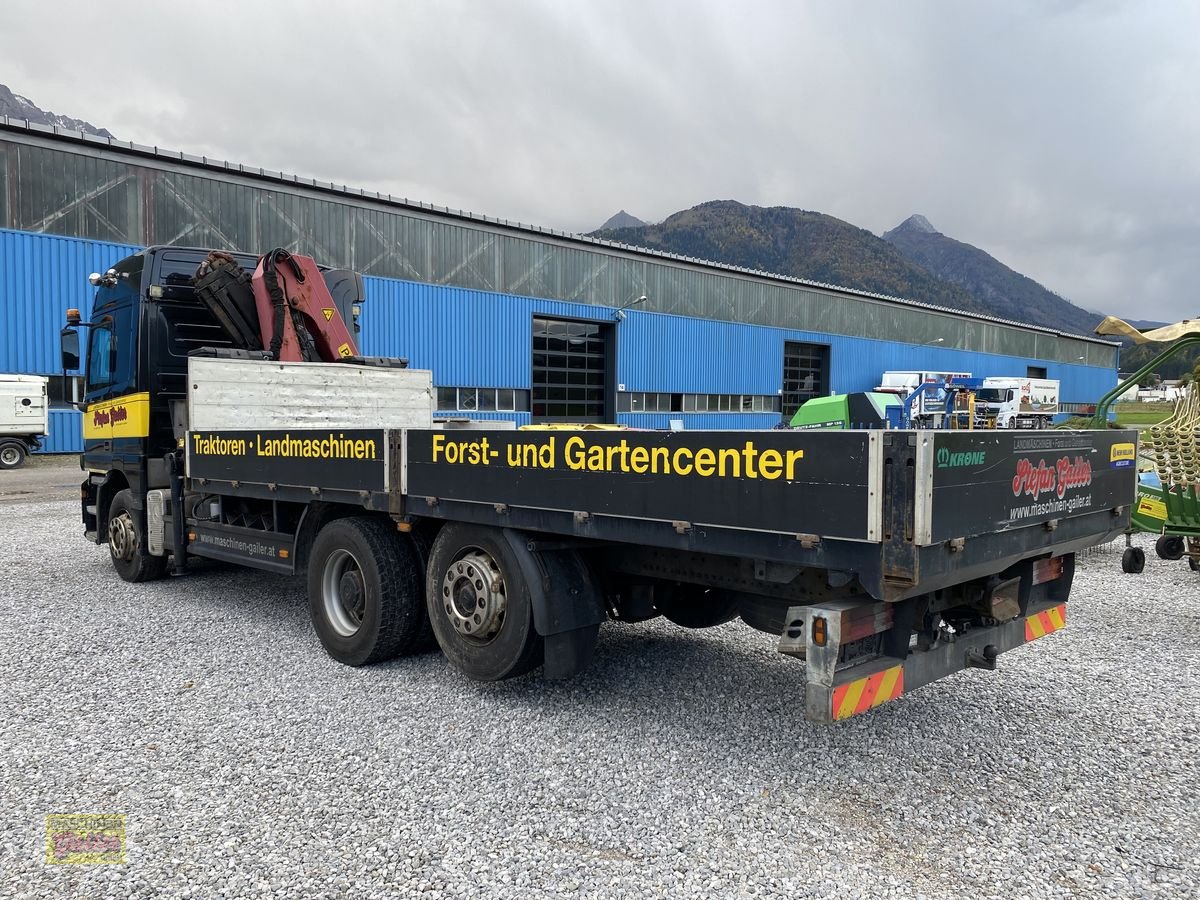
1017 402
146 321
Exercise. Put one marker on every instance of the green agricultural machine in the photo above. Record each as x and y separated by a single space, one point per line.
1168 457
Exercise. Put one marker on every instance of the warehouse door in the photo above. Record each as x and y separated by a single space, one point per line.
805 374
571 371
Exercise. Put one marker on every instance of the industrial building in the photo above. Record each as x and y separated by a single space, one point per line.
515 321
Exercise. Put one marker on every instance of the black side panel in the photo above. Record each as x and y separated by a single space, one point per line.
989 482
795 482
335 460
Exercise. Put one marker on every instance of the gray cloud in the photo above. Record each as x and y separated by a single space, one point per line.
1061 138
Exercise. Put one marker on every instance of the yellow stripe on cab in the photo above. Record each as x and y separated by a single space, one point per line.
121 417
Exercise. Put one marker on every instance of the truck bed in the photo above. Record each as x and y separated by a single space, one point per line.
903 512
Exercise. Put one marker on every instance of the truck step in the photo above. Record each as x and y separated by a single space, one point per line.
91 509
91 536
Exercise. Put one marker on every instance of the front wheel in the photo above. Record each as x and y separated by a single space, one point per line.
364 591
12 456
1133 560
127 544
480 604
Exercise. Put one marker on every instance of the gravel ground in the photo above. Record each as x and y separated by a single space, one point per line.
250 764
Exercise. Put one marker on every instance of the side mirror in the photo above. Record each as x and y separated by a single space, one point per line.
69 340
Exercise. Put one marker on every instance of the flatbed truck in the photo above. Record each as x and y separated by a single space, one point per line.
886 559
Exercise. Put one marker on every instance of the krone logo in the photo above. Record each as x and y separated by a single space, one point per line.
949 460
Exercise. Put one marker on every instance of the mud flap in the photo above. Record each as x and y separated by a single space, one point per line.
567 605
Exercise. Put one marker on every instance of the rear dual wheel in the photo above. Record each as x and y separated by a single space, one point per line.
695 606
365 591
480 604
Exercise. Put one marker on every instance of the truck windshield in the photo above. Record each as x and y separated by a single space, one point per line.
989 395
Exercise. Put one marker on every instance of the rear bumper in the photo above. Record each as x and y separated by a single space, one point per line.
833 694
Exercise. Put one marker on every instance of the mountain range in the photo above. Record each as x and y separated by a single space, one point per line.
17 107
914 261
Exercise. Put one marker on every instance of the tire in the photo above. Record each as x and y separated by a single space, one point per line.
12 455
364 591
1133 560
1170 547
695 606
127 542
484 627
422 543
766 614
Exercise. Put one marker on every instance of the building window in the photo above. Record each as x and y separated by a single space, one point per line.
570 370
1035 371
805 374
739 403
643 401
456 399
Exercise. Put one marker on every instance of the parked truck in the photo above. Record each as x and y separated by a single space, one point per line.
1017 402
885 559
24 417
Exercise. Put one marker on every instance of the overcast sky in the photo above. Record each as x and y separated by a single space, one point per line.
1061 137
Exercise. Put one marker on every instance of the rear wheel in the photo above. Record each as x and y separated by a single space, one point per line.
127 544
1133 560
1169 547
12 455
480 604
695 606
364 591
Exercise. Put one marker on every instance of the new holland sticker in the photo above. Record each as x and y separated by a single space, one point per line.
1122 455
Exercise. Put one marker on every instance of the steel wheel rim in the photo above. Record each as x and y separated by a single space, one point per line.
474 597
9 456
344 592
122 539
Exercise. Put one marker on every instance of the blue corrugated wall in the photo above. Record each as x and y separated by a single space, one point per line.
482 339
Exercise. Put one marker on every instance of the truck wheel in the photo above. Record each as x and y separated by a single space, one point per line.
1169 547
127 545
480 604
12 455
364 591
695 606
1133 560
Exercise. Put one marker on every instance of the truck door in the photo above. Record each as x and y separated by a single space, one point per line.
115 416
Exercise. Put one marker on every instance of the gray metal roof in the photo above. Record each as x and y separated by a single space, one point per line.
279 177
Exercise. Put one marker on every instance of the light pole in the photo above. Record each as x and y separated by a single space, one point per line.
620 313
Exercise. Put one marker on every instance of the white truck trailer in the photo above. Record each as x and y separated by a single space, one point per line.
24 417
